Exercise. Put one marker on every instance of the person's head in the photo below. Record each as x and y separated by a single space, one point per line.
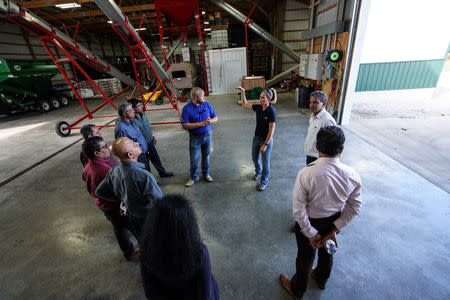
171 243
136 104
330 141
268 96
125 149
95 148
197 95
126 111
317 101
89 130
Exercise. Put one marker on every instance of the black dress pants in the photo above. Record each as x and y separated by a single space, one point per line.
121 225
306 254
154 158
143 158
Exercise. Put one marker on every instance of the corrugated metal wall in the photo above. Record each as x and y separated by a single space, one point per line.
295 21
14 44
399 75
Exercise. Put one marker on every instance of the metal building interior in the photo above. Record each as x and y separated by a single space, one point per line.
67 63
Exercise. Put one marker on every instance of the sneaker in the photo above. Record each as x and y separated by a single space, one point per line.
320 284
135 252
189 183
166 174
256 177
260 187
208 178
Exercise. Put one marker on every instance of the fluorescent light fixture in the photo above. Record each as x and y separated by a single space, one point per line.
109 22
143 28
206 23
207 29
203 12
68 5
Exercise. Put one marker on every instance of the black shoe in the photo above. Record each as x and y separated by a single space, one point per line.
166 174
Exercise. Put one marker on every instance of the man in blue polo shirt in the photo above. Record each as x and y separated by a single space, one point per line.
125 127
197 117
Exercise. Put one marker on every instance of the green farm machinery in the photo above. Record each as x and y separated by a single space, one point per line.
27 85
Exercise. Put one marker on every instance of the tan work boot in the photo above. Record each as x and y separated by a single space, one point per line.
189 183
208 178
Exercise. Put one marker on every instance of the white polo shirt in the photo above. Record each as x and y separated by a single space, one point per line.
322 119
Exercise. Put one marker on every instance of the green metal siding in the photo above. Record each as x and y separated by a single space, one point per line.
399 75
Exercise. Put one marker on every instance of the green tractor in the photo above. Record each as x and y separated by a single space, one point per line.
27 85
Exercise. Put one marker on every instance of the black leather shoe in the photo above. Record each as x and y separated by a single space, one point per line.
166 174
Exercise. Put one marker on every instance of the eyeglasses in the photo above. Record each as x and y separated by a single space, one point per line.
103 147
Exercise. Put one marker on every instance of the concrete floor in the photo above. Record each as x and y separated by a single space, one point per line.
56 244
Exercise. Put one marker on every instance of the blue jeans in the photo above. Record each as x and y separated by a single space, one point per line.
197 144
264 171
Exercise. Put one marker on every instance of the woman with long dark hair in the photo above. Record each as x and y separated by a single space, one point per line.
174 262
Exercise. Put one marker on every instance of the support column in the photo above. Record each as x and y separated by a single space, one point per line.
355 57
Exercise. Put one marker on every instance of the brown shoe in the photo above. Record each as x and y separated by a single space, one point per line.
320 284
135 252
286 283
189 183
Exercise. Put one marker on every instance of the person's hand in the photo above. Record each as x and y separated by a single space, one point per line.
315 241
329 236
240 88
154 140
123 209
263 148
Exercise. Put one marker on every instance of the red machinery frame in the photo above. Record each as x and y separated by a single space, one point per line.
246 23
203 45
72 52
139 55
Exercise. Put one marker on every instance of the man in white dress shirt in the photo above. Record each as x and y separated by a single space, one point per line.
319 118
325 199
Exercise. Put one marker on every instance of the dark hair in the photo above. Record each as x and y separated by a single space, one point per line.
170 240
86 130
91 145
330 140
134 102
122 109
320 95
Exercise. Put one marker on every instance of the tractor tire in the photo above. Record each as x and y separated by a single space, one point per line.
159 101
44 106
64 100
55 103
61 129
